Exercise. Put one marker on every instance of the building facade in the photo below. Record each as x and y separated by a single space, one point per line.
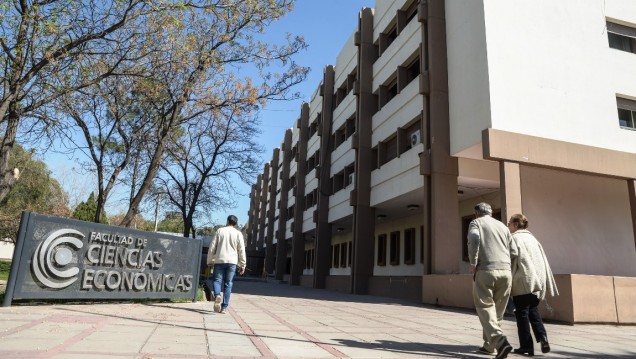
433 106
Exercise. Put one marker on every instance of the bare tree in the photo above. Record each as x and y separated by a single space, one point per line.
43 45
108 120
199 169
198 66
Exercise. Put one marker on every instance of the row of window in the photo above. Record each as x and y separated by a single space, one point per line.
390 247
623 38
395 27
341 256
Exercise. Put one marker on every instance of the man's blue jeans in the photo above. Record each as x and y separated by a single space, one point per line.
223 277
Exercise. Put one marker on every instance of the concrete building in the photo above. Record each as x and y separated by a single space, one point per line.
434 106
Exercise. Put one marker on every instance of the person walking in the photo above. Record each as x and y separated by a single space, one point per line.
226 253
531 281
490 249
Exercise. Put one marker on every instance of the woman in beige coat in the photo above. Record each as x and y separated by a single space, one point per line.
532 279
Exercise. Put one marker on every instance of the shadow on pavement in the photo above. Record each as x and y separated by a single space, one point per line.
460 350
275 289
424 349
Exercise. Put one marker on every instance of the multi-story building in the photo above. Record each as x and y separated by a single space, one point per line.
434 106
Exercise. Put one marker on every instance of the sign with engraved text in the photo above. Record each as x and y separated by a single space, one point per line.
58 258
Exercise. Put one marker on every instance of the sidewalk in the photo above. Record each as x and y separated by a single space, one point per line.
276 320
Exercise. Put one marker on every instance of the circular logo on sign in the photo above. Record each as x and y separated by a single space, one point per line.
52 256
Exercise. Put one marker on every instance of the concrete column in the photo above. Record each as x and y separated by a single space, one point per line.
363 214
510 183
257 211
442 223
263 212
270 253
281 246
298 240
631 185
323 228
251 214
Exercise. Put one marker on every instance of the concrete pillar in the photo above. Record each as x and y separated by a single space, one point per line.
510 183
260 242
257 211
270 253
631 185
281 246
298 240
442 223
363 214
323 228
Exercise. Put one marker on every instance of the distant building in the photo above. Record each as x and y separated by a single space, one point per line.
433 106
6 250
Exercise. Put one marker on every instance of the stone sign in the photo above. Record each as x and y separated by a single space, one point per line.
58 258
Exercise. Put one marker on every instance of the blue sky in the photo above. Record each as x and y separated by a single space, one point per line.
325 25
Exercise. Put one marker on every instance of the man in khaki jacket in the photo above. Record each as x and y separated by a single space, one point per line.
490 248
226 253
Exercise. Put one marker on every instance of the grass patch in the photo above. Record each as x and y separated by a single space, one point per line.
4 270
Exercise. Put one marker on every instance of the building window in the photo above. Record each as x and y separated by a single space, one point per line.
381 259
343 255
332 249
388 150
309 259
394 251
338 181
411 11
349 175
335 256
392 90
412 70
350 252
621 37
626 113
387 37
409 246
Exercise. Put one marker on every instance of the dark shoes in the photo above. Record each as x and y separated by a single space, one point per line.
483 350
545 346
529 352
504 350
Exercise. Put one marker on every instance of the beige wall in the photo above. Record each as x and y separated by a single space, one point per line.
582 221
582 298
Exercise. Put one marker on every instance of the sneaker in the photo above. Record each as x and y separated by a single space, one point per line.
217 303
223 311
504 350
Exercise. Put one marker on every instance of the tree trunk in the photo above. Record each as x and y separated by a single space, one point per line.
153 168
7 178
100 194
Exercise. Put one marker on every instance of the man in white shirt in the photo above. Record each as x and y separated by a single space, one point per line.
226 253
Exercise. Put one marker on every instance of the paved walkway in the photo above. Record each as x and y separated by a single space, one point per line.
275 320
